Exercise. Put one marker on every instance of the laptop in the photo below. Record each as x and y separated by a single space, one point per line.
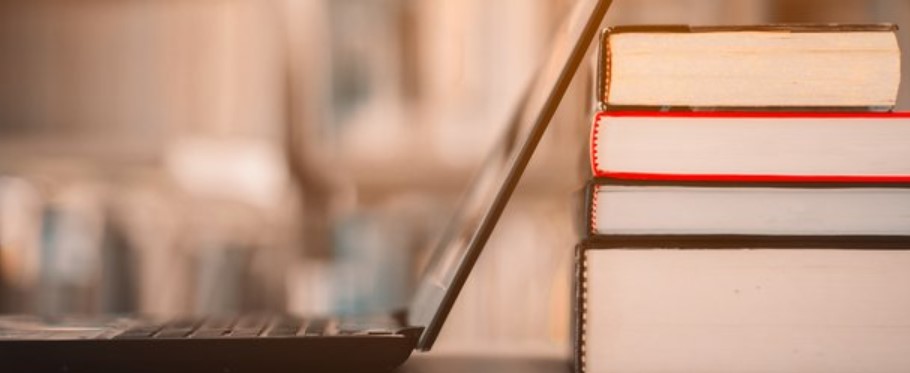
273 343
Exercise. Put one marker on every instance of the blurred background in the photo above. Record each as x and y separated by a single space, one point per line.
196 156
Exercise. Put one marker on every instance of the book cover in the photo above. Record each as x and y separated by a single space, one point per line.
742 306
807 66
757 146
683 210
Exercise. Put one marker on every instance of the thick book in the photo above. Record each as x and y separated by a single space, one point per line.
748 307
752 146
811 66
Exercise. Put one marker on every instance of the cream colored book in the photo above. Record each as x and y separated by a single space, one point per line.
810 66
779 146
799 309
648 208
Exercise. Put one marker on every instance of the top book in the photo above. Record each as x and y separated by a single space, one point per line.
786 66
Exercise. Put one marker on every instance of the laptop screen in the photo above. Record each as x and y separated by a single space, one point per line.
483 204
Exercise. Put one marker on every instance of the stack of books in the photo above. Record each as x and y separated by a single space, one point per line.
750 205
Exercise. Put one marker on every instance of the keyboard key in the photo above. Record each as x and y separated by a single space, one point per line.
214 327
142 331
316 327
222 323
285 327
173 333
244 333
249 326
182 324
209 333
366 326
252 322
180 328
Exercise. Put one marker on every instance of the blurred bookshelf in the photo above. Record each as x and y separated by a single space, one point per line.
242 149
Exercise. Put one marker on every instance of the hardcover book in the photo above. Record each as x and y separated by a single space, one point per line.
630 208
773 66
666 307
752 146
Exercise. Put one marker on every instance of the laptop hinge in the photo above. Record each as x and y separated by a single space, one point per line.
401 316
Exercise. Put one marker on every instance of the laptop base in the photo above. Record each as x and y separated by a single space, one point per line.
365 353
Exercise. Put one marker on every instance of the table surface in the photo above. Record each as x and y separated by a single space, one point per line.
471 364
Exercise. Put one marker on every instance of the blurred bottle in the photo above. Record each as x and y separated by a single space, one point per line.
119 290
70 257
20 239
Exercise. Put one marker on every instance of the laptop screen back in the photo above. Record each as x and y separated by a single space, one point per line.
480 209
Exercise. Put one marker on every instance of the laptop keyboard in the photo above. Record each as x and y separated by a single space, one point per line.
257 326
246 326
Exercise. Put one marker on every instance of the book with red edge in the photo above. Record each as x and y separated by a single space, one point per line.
752 146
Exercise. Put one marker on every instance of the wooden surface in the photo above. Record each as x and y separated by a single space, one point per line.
468 364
